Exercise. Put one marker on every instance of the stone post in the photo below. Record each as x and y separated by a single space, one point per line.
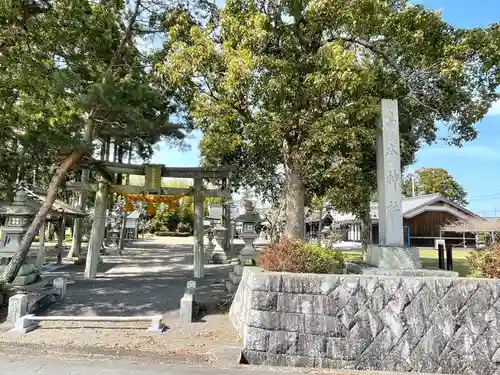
18 307
60 285
40 259
389 176
97 234
226 223
390 253
61 238
198 229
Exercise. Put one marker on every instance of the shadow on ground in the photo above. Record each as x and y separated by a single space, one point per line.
148 279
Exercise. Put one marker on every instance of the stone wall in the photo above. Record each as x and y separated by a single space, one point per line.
392 323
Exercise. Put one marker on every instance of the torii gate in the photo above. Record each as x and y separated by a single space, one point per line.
153 174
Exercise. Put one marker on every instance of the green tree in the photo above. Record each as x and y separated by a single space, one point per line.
289 91
435 181
187 212
73 74
167 219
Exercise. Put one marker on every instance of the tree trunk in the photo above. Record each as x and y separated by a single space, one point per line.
123 229
366 227
294 197
19 258
76 240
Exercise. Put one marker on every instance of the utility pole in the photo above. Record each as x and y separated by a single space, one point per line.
412 176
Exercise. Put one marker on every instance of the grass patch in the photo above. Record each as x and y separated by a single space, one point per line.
429 259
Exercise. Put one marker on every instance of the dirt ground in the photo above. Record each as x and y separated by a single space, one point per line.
148 279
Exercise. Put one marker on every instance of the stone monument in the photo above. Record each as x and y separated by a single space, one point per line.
18 218
218 255
391 252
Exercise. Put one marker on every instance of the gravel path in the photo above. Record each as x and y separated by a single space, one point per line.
211 342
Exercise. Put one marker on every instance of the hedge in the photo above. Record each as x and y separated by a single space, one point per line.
172 234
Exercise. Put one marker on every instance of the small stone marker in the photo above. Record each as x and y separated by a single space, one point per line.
18 307
60 287
157 325
188 303
24 324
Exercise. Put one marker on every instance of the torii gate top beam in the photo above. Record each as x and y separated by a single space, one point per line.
175 172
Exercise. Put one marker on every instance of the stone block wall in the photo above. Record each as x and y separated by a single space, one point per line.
389 323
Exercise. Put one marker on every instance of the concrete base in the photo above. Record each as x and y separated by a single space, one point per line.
157 325
248 259
159 330
261 244
230 287
26 279
235 279
354 268
27 274
393 257
24 325
238 269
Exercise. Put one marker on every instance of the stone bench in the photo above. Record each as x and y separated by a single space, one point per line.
28 323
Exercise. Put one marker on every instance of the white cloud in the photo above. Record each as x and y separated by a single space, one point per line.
495 109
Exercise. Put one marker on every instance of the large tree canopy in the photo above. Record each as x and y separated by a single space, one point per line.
73 73
67 61
297 84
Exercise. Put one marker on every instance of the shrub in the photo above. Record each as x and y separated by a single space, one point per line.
300 257
486 263
332 239
171 234
184 228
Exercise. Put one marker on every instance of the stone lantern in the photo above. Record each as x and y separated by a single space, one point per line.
18 218
249 221
210 245
113 234
114 238
87 227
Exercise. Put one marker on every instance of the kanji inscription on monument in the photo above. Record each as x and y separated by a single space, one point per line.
389 176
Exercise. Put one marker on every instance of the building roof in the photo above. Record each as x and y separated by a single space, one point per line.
313 216
38 196
133 215
410 206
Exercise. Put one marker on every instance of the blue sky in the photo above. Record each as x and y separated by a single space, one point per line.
475 166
